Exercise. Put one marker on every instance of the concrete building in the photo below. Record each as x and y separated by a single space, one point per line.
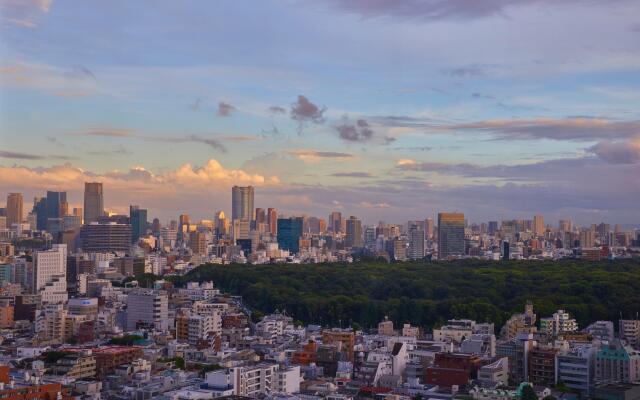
450 235
105 237
50 275
147 308
495 374
559 323
629 331
617 363
576 369
93 202
242 203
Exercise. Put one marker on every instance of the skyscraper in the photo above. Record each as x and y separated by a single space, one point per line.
335 222
261 217
289 233
40 209
416 242
272 220
354 232
57 205
14 209
242 203
93 201
138 220
450 235
429 228
538 225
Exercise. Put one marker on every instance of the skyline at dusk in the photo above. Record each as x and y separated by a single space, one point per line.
388 111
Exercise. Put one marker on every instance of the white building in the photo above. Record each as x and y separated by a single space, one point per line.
50 275
255 380
629 330
576 369
558 323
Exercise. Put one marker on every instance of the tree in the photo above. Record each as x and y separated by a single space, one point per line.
528 393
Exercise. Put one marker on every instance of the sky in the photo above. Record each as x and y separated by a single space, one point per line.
387 110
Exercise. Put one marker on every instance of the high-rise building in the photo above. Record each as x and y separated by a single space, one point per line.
564 225
138 221
261 216
93 201
538 225
335 222
450 235
57 205
198 242
40 209
50 275
242 203
15 213
492 228
354 233
289 233
272 217
105 238
416 242
429 228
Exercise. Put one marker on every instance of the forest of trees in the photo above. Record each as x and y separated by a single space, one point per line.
427 294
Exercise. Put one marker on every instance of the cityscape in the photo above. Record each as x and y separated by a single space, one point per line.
320 200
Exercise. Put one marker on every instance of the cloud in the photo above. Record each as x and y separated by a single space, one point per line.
188 185
574 129
352 175
367 204
23 13
358 132
479 95
80 72
213 142
433 10
313 155
304 111
276 110
616 152
225 109
581 128
108 133
414 148
469 71
26 156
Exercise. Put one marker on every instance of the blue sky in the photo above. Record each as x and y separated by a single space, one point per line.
390 110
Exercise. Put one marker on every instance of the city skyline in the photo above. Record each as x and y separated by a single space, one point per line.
384 113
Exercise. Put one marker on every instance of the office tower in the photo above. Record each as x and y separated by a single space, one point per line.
241 229
429 228
416 242
272 220
50 275
322 225
242 203
40 209
335 222
198 243
138 221
450 235
156 226
220 223
261 217
105 238
492 228
564 225
587 238
354 233
14 211
289 233
538 225
369 236
147 309
57 205
93 201
505 251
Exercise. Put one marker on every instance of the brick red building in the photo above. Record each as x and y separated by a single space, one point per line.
450 369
